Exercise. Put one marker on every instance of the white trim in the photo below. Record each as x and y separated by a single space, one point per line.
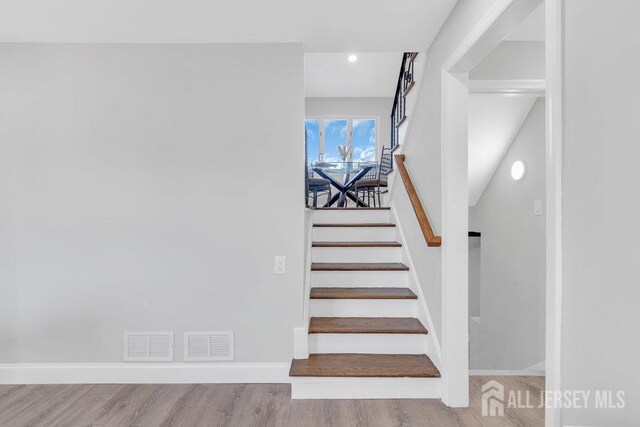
306 294
478 31
494 26
455 242
533 87
499 372
300 335
364 388
432 335
501 18
143 373
554 76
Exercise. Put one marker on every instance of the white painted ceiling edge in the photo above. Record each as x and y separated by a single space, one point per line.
326 26
494 122
332 75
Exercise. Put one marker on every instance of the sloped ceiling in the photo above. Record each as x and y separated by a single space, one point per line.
531 29
494 121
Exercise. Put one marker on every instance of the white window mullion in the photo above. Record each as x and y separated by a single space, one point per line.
350 136
321 130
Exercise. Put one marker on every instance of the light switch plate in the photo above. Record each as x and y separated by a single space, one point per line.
537 207
280 265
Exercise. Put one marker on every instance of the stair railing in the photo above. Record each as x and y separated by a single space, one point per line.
405 83
432 239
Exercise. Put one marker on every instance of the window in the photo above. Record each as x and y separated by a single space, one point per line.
312 137
364 140
335 133
324 135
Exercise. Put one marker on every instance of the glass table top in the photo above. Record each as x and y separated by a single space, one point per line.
341 167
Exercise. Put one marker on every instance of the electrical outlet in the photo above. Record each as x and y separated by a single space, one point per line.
281 265
537 207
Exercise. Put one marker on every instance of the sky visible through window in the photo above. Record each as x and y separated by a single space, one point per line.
335 133
364 140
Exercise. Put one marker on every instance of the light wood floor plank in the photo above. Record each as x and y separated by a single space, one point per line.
245 405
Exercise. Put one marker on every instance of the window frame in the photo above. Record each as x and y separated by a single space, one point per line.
321 118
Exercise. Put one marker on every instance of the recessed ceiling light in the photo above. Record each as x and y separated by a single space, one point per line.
353 58
518 170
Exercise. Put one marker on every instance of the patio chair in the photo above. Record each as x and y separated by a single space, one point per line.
318 186
376 179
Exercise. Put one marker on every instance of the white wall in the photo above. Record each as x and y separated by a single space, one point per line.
423 154
512 294
475 269
373 107
512 60
493 123
601 206
149 187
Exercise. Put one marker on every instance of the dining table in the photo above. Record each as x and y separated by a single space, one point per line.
351 173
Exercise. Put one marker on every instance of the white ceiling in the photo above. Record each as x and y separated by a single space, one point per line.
531 29
331 74
494 121
323 26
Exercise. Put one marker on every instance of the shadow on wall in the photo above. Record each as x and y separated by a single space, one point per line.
508 300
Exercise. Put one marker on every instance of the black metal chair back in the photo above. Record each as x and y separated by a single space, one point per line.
386 165
372 174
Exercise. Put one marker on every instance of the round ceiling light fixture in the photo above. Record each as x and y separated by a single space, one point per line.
353 58
518 169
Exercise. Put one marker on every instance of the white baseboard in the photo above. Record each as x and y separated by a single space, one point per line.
499 372
143 373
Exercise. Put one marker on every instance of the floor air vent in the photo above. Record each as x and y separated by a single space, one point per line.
148 346
208 346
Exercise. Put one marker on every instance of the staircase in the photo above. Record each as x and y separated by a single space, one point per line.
366 332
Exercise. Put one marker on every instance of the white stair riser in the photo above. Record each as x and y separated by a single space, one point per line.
354 234
368 343
365 388
363 308
356 254
360 279
351 216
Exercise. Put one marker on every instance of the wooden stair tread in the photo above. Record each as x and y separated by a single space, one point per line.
362 293
358 266
355 224
364 365
356 244
366 325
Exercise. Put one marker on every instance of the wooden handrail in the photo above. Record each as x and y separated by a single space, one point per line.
427 231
